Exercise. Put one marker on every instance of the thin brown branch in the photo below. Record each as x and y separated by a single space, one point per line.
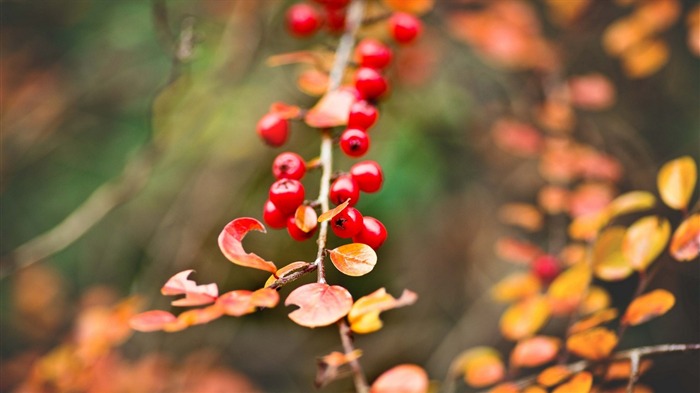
327 168
361 385
282 281
634 371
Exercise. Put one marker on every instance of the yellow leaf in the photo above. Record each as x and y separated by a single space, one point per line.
579 383
648 306
608 261
586 227
596 299
631 202
593 320
481 366
685 243
676 182
594 344
364 314
567 290
355 259
305 218
645 240
524 318
515 287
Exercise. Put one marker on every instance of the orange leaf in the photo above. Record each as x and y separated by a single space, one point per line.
404 378
593 91
579 383
517 138
195 295
506 387
553 375
676 182
608 261
355 259
535 351
328 214
534 389
338 358
685 244
593 320
621 36
197 316
566 292
313 82
331 110
596 299
516 286
522 215
524 318
283 271
411 6
285 111
622 369
364 314
631 202
645 59
645 240
151 321
516 251
586 227
306 57
230 244
319 304
594 344
328 367
481 366
648 306
241 302
305 218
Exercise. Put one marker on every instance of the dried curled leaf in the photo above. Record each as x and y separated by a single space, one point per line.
553 375
648 306
685 243
404 378
232 248
524 318
241 302
593 320
645 240
676 182
534 351
594 344
355 259
481 366
327 215
319 304
364 314
328 368
332 109
285 270
579 383
195 295
305 218
608 261
516 286
566 292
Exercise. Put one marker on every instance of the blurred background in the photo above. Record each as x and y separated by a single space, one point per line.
136 121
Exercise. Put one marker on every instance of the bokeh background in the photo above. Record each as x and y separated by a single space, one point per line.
150 145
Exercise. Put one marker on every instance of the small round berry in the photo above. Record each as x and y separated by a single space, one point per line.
354 143
404 28
373 233
546 267
370 83
303 20
362 115
273 217
344 188
372 53
273 129
288 165
296 233
368 175
287 195
347 223
335 19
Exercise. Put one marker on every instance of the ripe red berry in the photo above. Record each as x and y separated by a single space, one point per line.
303 20
368 175
344 188
354 143
296 233
287 195
362 115
347 223
288 165
373 233
273 129
546 267
372 53
273 217
404 28
370 83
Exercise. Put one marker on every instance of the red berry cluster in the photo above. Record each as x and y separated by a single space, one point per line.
304 19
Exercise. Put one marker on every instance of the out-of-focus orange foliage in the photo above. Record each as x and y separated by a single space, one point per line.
592 91
553 199
590 198
648 306
564 12
622 369
553 375
534 351
328 367
568 290
404 378
319 304
522 215
609 263
410 6
596 299
593 320
517 138
685 243
480 366
579 383
516 251
516 286
331 110
594 344
525 318
693 23
313 82
364 314
645 240
354 259
506 387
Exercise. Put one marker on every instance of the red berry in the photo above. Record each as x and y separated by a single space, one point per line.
368 175
273 129
335 19
404 28
347 223
288 165
303 20
334 3
546 267
373 233
273 217
287 194
354 143
296 233
372 53
370 83
362 115
344 188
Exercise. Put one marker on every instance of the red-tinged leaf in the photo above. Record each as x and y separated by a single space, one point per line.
648 306
329 214
517 251
645 58
306 57
685 243
593 320
197 316
364 314
535 351
241 302
517 138
404 378
305 218
151 321
593 344
481 366
313 82
319 304
355 259
579 383
329 367
516 286
593 91
645 240
525 318
285 111
230 244
553 375
590 198
285 270
195 295
332 110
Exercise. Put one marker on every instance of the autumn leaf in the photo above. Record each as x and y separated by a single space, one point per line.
586 227
676 182
329 214
566 292
328 367
313 82
505 387
355 259
609 263
481 366
593 320
151 321
285 270
364 314
596 299
524 318
522 215
241 302
622 369
404 378
592 91
232 248
197 316
645 240
593 344
332 109
534 389
305 218
516 286
534 351
646 58
285 111
685 243
195 295
416 7
516 251
553 375
319 304
631 202
579 383
648 306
